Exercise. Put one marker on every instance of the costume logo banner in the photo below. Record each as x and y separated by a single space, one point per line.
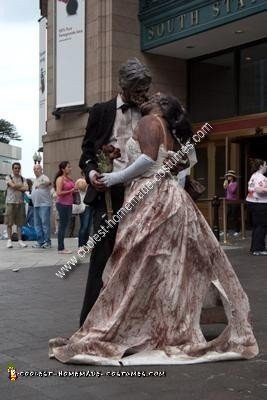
70 52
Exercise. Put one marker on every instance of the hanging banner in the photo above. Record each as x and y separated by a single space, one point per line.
42 79
70 52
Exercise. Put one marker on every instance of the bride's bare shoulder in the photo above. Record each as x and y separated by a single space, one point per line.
147 133
148 123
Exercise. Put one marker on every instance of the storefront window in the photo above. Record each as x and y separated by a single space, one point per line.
253 79
212 88
229 84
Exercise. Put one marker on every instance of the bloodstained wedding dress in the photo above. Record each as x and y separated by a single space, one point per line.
164 261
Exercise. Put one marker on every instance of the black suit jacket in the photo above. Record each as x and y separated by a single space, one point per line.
98 132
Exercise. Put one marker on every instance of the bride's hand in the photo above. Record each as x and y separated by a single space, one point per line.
110 179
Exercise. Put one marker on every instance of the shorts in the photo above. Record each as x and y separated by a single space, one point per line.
15 214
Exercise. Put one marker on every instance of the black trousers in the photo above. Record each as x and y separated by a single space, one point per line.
233 217
102 250
259 225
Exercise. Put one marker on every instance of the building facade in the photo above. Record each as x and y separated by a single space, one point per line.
211 54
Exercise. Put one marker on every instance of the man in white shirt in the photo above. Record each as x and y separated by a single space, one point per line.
41 199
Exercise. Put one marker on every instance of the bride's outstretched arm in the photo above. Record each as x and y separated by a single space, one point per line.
148 135
138 167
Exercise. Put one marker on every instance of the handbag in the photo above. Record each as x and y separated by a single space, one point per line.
193 187
76 197
78 208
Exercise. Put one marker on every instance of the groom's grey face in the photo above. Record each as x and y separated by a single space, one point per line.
136 94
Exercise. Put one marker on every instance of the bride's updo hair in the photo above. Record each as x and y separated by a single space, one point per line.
173 112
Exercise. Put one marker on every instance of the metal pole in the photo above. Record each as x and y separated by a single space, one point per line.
216 204
243 221
210 213
224 221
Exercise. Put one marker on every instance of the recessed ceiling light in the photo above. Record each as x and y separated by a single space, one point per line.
190 47
248 58
239 31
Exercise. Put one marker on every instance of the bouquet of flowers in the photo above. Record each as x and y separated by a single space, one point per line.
105 157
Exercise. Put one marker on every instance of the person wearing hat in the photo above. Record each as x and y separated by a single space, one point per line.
231 187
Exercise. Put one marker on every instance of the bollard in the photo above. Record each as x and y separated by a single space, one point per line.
216 229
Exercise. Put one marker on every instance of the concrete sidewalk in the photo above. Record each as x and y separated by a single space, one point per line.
17 258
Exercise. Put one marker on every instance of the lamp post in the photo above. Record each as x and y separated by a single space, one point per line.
37 158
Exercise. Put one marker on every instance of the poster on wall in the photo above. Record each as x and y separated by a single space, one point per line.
42 79
70 52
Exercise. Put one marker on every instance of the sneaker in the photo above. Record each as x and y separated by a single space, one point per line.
65 251
22 244
259 253
9 244
37 245
46 245
235 234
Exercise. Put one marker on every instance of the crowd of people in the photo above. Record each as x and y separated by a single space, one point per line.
149 276
29 207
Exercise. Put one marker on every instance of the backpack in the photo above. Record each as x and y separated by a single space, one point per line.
28 233
21 177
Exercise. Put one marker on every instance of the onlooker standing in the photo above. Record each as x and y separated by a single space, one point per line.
55 216
15 207
65 187
233 214
41 198
257 203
